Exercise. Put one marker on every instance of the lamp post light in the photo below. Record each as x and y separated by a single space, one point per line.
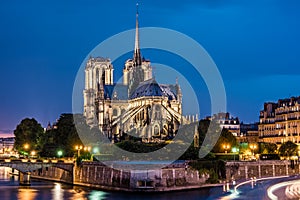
234 150
59 153
226 147
87 148
32 153
253 147
95 150
26 146
78 148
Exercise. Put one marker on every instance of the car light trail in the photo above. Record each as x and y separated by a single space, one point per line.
290 192
254 180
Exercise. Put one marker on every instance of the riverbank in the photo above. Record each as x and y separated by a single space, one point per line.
109 189
47 189
176 177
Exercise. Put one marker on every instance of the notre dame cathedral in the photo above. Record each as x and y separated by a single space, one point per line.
139 106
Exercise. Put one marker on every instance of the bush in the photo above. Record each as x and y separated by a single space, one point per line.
216 169
213 177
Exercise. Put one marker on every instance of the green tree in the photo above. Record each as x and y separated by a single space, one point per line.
66 133
202 129
288 149
65 136
226 138
29 132
190 154
49 147
209 134
267 148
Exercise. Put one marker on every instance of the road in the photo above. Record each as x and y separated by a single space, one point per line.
285 187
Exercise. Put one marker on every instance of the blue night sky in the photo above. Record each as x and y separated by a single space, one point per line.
255 45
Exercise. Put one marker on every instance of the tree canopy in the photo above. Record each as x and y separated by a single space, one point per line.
288 149
28 135
226 138
267 148
64 137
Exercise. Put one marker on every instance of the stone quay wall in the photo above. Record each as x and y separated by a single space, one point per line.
174 177
260 169
97 175
54 174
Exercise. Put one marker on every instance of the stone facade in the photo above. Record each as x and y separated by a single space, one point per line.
259 169
231 123
168 178
54 174
280 122
97 175
139 106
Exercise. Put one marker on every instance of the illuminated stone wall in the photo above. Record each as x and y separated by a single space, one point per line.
259 169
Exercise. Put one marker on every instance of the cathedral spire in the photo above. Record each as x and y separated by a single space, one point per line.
137 53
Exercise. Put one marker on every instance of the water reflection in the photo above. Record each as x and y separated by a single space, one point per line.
97 195
57 192
7 174
27 193
79 193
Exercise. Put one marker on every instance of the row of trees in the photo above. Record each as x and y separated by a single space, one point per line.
30 136
65 136
286 149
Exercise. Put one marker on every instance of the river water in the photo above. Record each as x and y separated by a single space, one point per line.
10 190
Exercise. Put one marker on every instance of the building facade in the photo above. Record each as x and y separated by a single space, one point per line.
139 105
248 133
7 147
280 122
229 122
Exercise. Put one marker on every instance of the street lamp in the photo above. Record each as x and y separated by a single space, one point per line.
78 148
32 153
234 150
253 147
26 146
226 147
59 153
95 150
87 149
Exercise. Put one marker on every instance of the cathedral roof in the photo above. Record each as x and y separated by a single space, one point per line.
147 88
152 88
170 91
116 91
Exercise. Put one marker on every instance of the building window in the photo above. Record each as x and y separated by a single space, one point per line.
156 130
115 112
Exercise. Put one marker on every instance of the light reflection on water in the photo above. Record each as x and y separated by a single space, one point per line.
10 189
97 195
57 192
27 194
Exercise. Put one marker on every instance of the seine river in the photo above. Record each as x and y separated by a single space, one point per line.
10 190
